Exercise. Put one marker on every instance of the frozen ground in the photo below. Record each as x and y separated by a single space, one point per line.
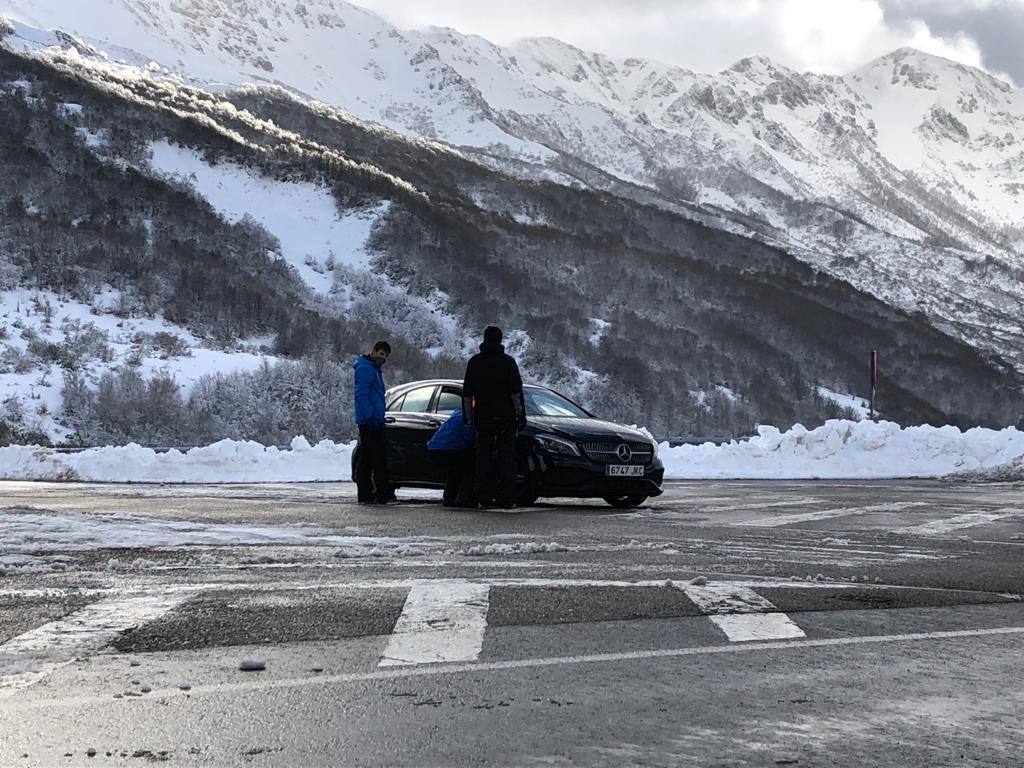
843 624
33 542
836 450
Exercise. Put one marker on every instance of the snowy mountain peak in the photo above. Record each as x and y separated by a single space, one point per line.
912 68
549 48
752 66
568 60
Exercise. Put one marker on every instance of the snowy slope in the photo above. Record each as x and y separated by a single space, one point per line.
902 177
326 50
304 217
813 137
324 242
958 128
31 318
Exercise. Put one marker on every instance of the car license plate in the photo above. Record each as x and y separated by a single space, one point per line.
624 470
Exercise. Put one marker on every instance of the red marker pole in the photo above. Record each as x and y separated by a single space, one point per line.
874 380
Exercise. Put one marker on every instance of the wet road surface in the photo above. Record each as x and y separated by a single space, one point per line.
722 624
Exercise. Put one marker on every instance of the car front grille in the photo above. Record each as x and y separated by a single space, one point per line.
607 452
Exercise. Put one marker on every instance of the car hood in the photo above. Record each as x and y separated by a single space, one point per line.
584 429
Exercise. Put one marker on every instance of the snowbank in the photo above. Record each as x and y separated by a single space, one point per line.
837 450
227 461
1010 472
846 450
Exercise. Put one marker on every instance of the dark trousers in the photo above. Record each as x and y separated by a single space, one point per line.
496 464
460 474
372 466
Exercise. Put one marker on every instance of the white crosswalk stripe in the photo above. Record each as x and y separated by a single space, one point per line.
741 613
825 514
747 627
31 656
959 522
442 621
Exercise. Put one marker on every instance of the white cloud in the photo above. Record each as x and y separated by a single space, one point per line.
841 34
831 36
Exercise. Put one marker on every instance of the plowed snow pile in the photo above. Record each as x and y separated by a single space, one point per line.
847 450
228 461
836 450
1010 472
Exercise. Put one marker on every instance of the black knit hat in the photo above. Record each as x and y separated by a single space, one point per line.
492 333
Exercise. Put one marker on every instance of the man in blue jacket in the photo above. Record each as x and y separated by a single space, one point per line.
371 478
453 446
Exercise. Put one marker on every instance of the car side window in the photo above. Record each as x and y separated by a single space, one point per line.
448 401
396 404
418 400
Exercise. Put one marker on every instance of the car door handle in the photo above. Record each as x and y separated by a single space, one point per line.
389 419
434 423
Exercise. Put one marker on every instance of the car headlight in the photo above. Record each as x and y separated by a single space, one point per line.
557 445
654 447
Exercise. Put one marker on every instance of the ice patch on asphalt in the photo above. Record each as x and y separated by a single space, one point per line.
34 531
37 542
381 550
523 548
145 564
15 564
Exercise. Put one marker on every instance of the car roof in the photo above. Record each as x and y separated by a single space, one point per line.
434 382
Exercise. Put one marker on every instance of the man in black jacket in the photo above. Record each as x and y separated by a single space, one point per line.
493 402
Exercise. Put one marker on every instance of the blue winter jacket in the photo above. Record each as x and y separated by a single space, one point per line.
453 435
369 393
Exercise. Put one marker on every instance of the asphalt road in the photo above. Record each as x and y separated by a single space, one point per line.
724 624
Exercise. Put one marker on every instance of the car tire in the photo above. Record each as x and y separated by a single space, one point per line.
625 502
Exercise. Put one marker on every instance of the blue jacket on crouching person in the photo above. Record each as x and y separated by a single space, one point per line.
369 385
453 435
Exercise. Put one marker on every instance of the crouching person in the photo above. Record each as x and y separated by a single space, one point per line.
454 447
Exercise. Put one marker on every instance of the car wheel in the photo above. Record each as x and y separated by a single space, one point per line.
625 502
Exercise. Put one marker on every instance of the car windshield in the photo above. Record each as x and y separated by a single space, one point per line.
544 402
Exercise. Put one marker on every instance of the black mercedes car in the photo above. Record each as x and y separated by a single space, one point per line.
563 451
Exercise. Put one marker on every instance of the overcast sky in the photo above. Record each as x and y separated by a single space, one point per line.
832 36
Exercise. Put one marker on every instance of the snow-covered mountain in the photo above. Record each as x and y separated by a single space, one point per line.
214 194
905 117
902 177
331 51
